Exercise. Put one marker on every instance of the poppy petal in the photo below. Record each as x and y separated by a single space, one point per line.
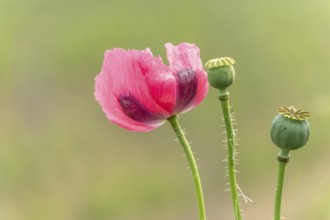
123 93
187 67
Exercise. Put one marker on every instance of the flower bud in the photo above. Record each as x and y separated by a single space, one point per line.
290 129
220 72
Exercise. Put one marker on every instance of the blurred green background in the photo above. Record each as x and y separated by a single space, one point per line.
61 159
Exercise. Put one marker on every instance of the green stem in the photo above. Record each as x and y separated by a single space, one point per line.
224 99
192 163
279 186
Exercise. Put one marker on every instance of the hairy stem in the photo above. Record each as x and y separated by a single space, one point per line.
224 99
192 163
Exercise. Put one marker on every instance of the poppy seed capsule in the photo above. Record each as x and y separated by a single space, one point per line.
220 72
290 129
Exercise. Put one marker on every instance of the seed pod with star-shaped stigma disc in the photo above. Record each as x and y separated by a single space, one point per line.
290 129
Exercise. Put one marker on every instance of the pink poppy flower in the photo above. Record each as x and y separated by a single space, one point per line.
139 92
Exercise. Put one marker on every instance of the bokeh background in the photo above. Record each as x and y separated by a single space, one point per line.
61 159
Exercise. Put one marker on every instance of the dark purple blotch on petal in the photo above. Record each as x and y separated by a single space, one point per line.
187 88
134 109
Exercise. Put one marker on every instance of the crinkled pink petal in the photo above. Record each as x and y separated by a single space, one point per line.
183 56
186 65
162 88
123 91
113 111
202 90
161 82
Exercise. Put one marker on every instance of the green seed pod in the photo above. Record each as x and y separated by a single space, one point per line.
290 129
220 72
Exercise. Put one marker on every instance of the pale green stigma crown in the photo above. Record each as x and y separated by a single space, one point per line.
218 62
291 112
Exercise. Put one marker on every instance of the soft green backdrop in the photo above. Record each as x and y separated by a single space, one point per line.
61 159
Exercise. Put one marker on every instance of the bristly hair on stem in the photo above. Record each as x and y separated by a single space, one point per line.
192 164
221 74
235 157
